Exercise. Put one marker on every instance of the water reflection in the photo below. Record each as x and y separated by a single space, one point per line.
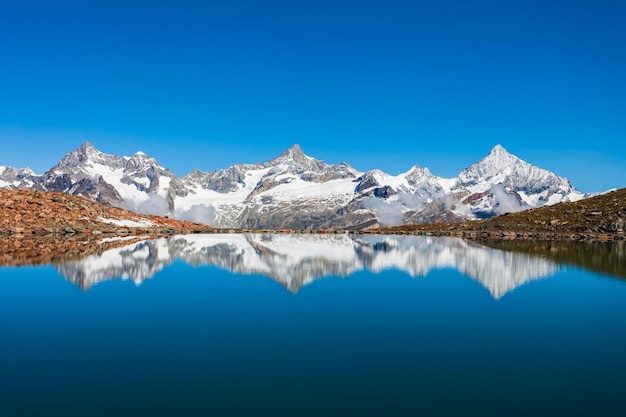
193 340
296 260
607 258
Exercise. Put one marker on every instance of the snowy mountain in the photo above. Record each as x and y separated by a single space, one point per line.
12 178
290 191
138 183
296 191
502 183
295 261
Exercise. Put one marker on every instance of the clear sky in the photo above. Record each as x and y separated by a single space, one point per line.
379 84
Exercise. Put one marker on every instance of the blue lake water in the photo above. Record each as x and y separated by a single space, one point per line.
275 325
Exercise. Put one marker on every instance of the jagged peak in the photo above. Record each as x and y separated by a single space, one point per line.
22 170
295 148
499 150
498 153
85 152
378 172
196 171
418 170
87 146
374 173
293 152
141 156
498 157
141 162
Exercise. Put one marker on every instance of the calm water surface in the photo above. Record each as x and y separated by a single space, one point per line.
274 325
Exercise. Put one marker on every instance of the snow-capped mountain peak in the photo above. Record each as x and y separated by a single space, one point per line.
13 178
294 161
499 150
85 154
293 153
419 175
141 162
24 171
500 157
502 182
497 162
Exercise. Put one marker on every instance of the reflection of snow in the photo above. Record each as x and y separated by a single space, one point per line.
296 260
117 239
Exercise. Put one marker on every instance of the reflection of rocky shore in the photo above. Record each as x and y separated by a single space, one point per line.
602 257
54 249
296 260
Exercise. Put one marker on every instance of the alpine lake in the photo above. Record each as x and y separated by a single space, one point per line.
317 325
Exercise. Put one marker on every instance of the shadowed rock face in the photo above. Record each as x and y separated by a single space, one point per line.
297 260
98 190
223 181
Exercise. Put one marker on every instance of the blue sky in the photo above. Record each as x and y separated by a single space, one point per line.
385 84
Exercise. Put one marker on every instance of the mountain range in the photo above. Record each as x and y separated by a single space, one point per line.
298 192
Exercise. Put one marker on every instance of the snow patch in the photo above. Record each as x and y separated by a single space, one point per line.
127 223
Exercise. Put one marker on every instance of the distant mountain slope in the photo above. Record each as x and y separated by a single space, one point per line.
296 191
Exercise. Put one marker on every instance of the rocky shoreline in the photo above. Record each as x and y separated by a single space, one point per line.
514 235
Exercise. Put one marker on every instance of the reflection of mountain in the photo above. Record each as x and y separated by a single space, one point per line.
295 260
137 261
498 271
